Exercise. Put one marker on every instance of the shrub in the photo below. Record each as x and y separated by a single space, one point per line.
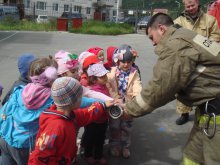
9 21
27 25
89 27
103 28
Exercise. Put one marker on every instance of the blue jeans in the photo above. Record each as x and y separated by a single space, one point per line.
11 155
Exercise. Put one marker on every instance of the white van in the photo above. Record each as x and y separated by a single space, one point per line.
9 11
42 19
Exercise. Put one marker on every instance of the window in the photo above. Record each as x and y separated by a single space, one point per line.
77 9
114 12
88 10
55 6
1 12
66 7
41 5
28 5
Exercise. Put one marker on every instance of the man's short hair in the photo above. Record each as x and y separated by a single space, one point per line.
183 1
159 18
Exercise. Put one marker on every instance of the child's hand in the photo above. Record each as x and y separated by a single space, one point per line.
117 102
120 102
109 103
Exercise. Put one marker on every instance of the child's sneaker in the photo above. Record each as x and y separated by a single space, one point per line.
114 151
102 161
126 153
90 160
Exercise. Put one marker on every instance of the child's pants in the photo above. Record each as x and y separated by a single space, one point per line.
94 138
11 155
120 132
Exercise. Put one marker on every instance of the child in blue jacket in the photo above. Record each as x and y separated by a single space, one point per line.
20 114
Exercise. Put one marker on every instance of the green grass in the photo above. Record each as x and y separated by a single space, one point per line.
89 27
10 24
103 28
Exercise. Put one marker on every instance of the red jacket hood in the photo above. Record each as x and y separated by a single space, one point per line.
110 52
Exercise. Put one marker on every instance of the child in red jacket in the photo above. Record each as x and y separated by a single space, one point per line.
56 139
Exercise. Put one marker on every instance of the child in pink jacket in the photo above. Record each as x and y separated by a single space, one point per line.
94 134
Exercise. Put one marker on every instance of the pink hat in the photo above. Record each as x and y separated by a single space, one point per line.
66 61
97 70
61 54
66 65
94 50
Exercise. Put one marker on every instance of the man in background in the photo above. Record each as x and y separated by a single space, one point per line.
193 18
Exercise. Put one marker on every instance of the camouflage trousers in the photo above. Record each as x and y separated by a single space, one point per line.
120 132
182 108
200 149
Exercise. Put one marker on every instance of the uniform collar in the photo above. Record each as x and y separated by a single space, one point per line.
168 33
189 17
163 41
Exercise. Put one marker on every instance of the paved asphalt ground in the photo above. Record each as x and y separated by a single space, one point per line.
156 139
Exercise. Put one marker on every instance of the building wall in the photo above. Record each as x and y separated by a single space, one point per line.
55 8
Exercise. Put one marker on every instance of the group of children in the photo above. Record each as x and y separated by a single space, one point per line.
54 97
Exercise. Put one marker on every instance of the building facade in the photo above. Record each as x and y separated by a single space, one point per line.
107 9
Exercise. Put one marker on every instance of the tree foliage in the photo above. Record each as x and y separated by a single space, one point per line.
152 4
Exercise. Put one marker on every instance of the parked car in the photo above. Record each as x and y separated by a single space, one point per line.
9 11
42 19
143 22
129 20
71 15
120 20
